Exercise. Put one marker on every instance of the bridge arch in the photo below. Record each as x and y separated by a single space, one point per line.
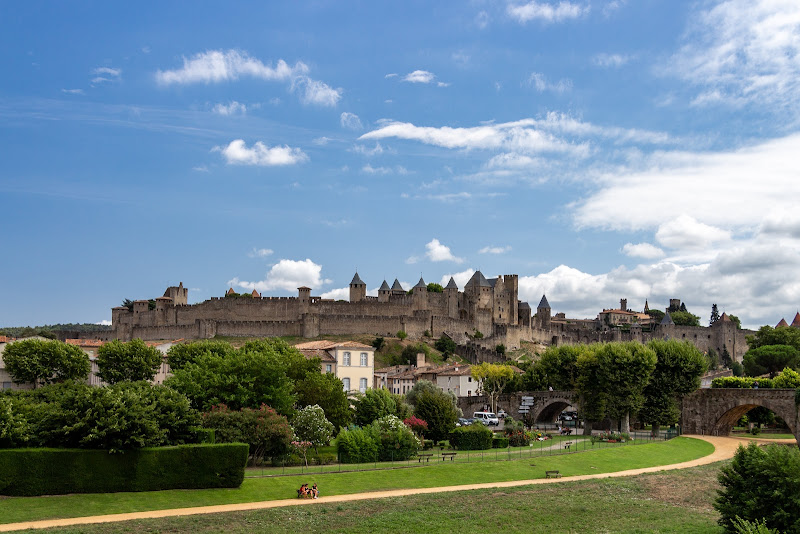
550 409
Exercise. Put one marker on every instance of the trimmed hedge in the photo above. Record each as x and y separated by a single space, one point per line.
741 382
500 442
474 437
28 472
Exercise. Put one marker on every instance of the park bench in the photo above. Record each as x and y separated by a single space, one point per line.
552 474
426 456
452 455
567 444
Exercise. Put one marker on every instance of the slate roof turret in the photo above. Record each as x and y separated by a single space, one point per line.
357 280
384 286
667 320
543 303
421 284
451 284
397 287
478 280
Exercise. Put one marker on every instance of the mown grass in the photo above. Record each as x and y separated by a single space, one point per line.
671 501
17 509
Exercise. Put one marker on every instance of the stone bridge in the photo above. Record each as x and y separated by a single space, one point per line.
535 406
714 411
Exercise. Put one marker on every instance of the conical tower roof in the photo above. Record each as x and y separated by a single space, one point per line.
782 323
384 286
796 321
724 317
451 284
421 283
667 320
543 303
357 280
397 287
478 280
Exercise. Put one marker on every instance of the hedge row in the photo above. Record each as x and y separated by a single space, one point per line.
741 382
27 472
474 437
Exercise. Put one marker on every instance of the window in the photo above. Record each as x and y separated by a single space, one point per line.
328 368
346 359
364 359
362 385
346 384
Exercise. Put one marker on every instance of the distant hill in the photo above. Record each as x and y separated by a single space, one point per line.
49 330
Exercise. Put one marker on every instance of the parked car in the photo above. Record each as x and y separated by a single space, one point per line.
463 421
487 418
501 413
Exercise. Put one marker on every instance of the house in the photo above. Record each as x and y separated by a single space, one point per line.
91 346
351 362
458 380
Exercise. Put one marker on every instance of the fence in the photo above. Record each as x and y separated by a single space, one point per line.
557 445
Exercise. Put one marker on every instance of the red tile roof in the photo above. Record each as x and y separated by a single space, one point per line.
86 342
796 322
782 323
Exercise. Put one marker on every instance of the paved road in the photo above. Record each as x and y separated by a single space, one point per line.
724 448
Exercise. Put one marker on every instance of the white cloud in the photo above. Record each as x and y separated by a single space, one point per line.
316 92
321 141
411 260
436 251
743 51
350 121
104 322
391 75
686 233
200 168
610 60
546 12
482 19
642 250
287 275
114 73
494 250
419 76
72 91
342 293
399 169
460 278
232 108
214 66
361 149
237 153
538 81
260 252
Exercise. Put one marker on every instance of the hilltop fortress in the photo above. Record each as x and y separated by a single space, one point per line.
489 307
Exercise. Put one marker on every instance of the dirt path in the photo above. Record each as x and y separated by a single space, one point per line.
724 448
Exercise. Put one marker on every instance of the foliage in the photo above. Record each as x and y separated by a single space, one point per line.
48 330
678 369
658 315
735 320
374 404
311 425
761 484
25 472
499 442
589 385
626 370
433 287
301 447
266 432
356 445
742 526
770 359
737 369
125 416
417 425
741 382
14 429
182 353
471 438
386 439
327 391
438 410
409 354
401 334
684 318
714 315
500 349
445 345
789 378
34 360
477 334
766 335
559 366
377 343
132 361
492 378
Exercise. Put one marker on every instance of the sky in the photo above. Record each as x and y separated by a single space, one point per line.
644 150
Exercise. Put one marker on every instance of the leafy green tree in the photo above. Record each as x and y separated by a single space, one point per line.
132 361
445 345
770 359
14 428
789 378
296 365
766 335
377 343
267 432
735 320
402 334
500 349
761 484
183 353
657 315
559 365
34 360
423 386
678 369
590 386
714 315
491 378
433 287
737 369
684 318
374 404
436 409
626 370
327 391
311 425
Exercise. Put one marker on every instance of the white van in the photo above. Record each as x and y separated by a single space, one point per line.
487 418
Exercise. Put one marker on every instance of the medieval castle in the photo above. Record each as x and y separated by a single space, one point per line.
486 306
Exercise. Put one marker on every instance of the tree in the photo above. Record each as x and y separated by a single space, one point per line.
492 378
34 360
267 432
770 359
14 428
132 361
766 335
436 409
589 384
445 345
401 334
761 484
714 315
657 315
183 353
433 287
678 369
735 320
500 349
311 425
626 369
684 318
559 365
377 343
328 392
374 404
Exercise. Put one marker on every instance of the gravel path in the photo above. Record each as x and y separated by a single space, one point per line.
724 448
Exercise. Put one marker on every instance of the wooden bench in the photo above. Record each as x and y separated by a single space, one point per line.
568 444
552 474
452 455
426 456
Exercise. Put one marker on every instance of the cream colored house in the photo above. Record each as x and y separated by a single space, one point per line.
458 380
351 362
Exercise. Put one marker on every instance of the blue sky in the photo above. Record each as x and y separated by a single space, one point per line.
600 150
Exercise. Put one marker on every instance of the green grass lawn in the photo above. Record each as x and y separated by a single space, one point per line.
671 501
14 509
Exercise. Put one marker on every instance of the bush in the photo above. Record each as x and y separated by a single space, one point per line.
266 432
401 334
28 472
520 438
500 442
475 437
741 382
356 446
761 485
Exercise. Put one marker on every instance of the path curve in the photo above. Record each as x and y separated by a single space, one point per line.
724 448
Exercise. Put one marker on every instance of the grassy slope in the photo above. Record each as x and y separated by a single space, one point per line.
673 501
443 474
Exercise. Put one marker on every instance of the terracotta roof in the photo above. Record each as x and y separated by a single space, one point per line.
304 287
255 293
724 317
327 345
782 323
323 355
457 370
230 291
796 321
4 339
163 298
86 342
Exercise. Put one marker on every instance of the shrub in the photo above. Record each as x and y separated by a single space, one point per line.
761 485
500 442
266 432
401 334
356 446
471 438
520 438
27 472
310 425
741 382
789 378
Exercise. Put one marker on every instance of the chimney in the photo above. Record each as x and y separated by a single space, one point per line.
421 360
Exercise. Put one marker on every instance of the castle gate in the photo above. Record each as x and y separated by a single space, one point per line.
714 411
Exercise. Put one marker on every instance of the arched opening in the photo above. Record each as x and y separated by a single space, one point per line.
550 413
759 414
554 341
